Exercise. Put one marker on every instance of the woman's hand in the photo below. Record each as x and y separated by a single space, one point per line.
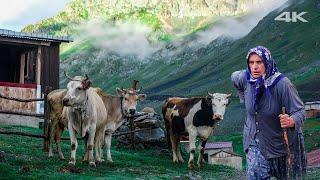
286 121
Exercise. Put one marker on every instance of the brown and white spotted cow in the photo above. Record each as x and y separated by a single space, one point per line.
195 116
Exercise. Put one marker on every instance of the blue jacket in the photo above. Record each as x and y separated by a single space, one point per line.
264 123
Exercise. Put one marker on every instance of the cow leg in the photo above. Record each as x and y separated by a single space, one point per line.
101 142
180 159
173 147
98 145
192 148
74 144
200 159
90 146
97 149
58 142
108 146
51 139
86 155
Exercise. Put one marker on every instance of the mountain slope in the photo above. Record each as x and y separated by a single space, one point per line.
295 46
183 67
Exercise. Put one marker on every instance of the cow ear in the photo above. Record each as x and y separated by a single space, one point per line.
229 101
141 97
86 84
120 92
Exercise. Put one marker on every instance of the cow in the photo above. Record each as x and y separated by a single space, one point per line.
86 115
195 116
119 108
58 119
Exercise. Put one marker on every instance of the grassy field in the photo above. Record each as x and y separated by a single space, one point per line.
25 159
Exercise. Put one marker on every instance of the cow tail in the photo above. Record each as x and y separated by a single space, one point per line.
167 123
49 109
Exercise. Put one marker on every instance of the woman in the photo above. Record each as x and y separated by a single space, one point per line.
265 91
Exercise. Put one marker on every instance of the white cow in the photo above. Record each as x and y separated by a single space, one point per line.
86 114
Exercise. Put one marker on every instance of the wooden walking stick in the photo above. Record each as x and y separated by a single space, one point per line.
285 136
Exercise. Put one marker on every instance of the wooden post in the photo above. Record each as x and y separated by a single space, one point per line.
22 66
132 132
38 72
46 124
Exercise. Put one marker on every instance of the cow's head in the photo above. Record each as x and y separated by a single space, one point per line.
219 104
130 98
76 91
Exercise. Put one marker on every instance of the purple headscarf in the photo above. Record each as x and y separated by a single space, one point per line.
264 82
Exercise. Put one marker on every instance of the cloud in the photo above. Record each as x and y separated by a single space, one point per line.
15 14
238 28
125 38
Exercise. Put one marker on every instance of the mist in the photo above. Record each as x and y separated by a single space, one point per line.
124 38
236 28
132 38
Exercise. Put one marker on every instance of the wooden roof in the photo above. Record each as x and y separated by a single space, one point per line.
4 33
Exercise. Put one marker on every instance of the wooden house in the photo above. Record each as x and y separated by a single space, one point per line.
222 153
312 109
29 62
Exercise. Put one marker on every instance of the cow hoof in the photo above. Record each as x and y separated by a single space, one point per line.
85 160
72 163
61 156
110 160
190 165
181 161
199 165
92 164
99 160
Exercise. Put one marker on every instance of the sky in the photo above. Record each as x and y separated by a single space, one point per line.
16 14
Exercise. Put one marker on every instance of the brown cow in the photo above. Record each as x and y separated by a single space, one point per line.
118 108
58 119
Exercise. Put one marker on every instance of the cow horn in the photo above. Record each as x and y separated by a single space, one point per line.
139 90
123 90
86 77
210 94
229 95
70 78
134 84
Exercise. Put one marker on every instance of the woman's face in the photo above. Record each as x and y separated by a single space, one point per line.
256 66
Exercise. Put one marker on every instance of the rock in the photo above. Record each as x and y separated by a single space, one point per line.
150 135
153 135
148 123
148 110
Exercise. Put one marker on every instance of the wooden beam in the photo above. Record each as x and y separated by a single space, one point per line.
22 66
17 41
38 71
2 131
22 113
